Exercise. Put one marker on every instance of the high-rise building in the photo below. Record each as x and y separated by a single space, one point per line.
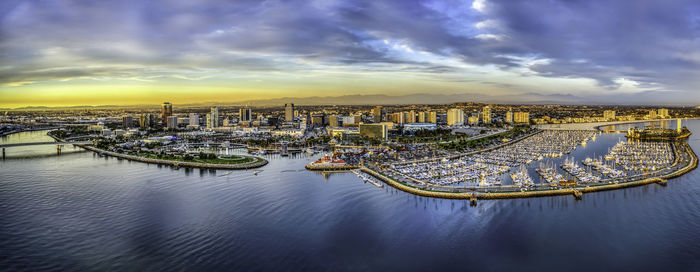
397 117
172 122
609 115
422 117
194 119
245 114
455 117
486 115
377 114
663 113
128 122
509 116
289 112
522 117
652 114
432 117
410 117
166 111
147 120
213 118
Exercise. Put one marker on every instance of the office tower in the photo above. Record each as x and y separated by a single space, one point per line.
663 113
509 116
652 114
213 118
128 122
455 117
609 115
486 115
245 114
172 122
377 114
289 112
194 119
147 120
522 117
166 111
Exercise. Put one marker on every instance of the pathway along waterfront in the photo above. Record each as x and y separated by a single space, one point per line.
682 150
243 166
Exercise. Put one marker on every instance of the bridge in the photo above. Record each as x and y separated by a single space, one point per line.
57 144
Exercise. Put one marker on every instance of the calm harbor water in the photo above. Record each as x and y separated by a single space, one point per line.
78 211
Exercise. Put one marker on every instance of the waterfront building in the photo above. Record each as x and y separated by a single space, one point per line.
522 117
166 111
509 116
455 117
652 114
374 131
128 122
289 112
245 114
609 115
213 118
377 113
663 113
486 115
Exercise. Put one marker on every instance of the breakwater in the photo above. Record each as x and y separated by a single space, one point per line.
258 163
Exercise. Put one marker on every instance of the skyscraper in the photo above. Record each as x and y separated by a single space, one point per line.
377 114
609 115
509 116
213 118
289 112
522 117
128 122
455 117
486 115
166 111
245 114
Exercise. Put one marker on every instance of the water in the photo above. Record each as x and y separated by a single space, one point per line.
78 211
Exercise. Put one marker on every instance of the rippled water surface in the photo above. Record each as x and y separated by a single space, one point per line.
78 211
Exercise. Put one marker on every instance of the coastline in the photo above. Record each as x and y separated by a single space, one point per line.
575 191
261 162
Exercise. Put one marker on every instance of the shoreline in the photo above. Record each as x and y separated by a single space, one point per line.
577 192
262 162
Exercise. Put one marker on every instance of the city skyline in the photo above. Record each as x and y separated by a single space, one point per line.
69 53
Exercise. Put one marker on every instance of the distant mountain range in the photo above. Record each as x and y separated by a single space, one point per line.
380 99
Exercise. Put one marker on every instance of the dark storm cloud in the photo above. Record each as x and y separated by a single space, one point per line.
655 43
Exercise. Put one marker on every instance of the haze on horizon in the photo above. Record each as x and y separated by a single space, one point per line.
62 53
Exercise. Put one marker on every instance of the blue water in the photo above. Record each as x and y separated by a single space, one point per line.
81 212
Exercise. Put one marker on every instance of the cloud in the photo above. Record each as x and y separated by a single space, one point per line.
653 43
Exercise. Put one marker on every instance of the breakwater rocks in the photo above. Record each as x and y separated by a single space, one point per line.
258 163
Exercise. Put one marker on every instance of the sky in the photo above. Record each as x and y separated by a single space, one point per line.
61 53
